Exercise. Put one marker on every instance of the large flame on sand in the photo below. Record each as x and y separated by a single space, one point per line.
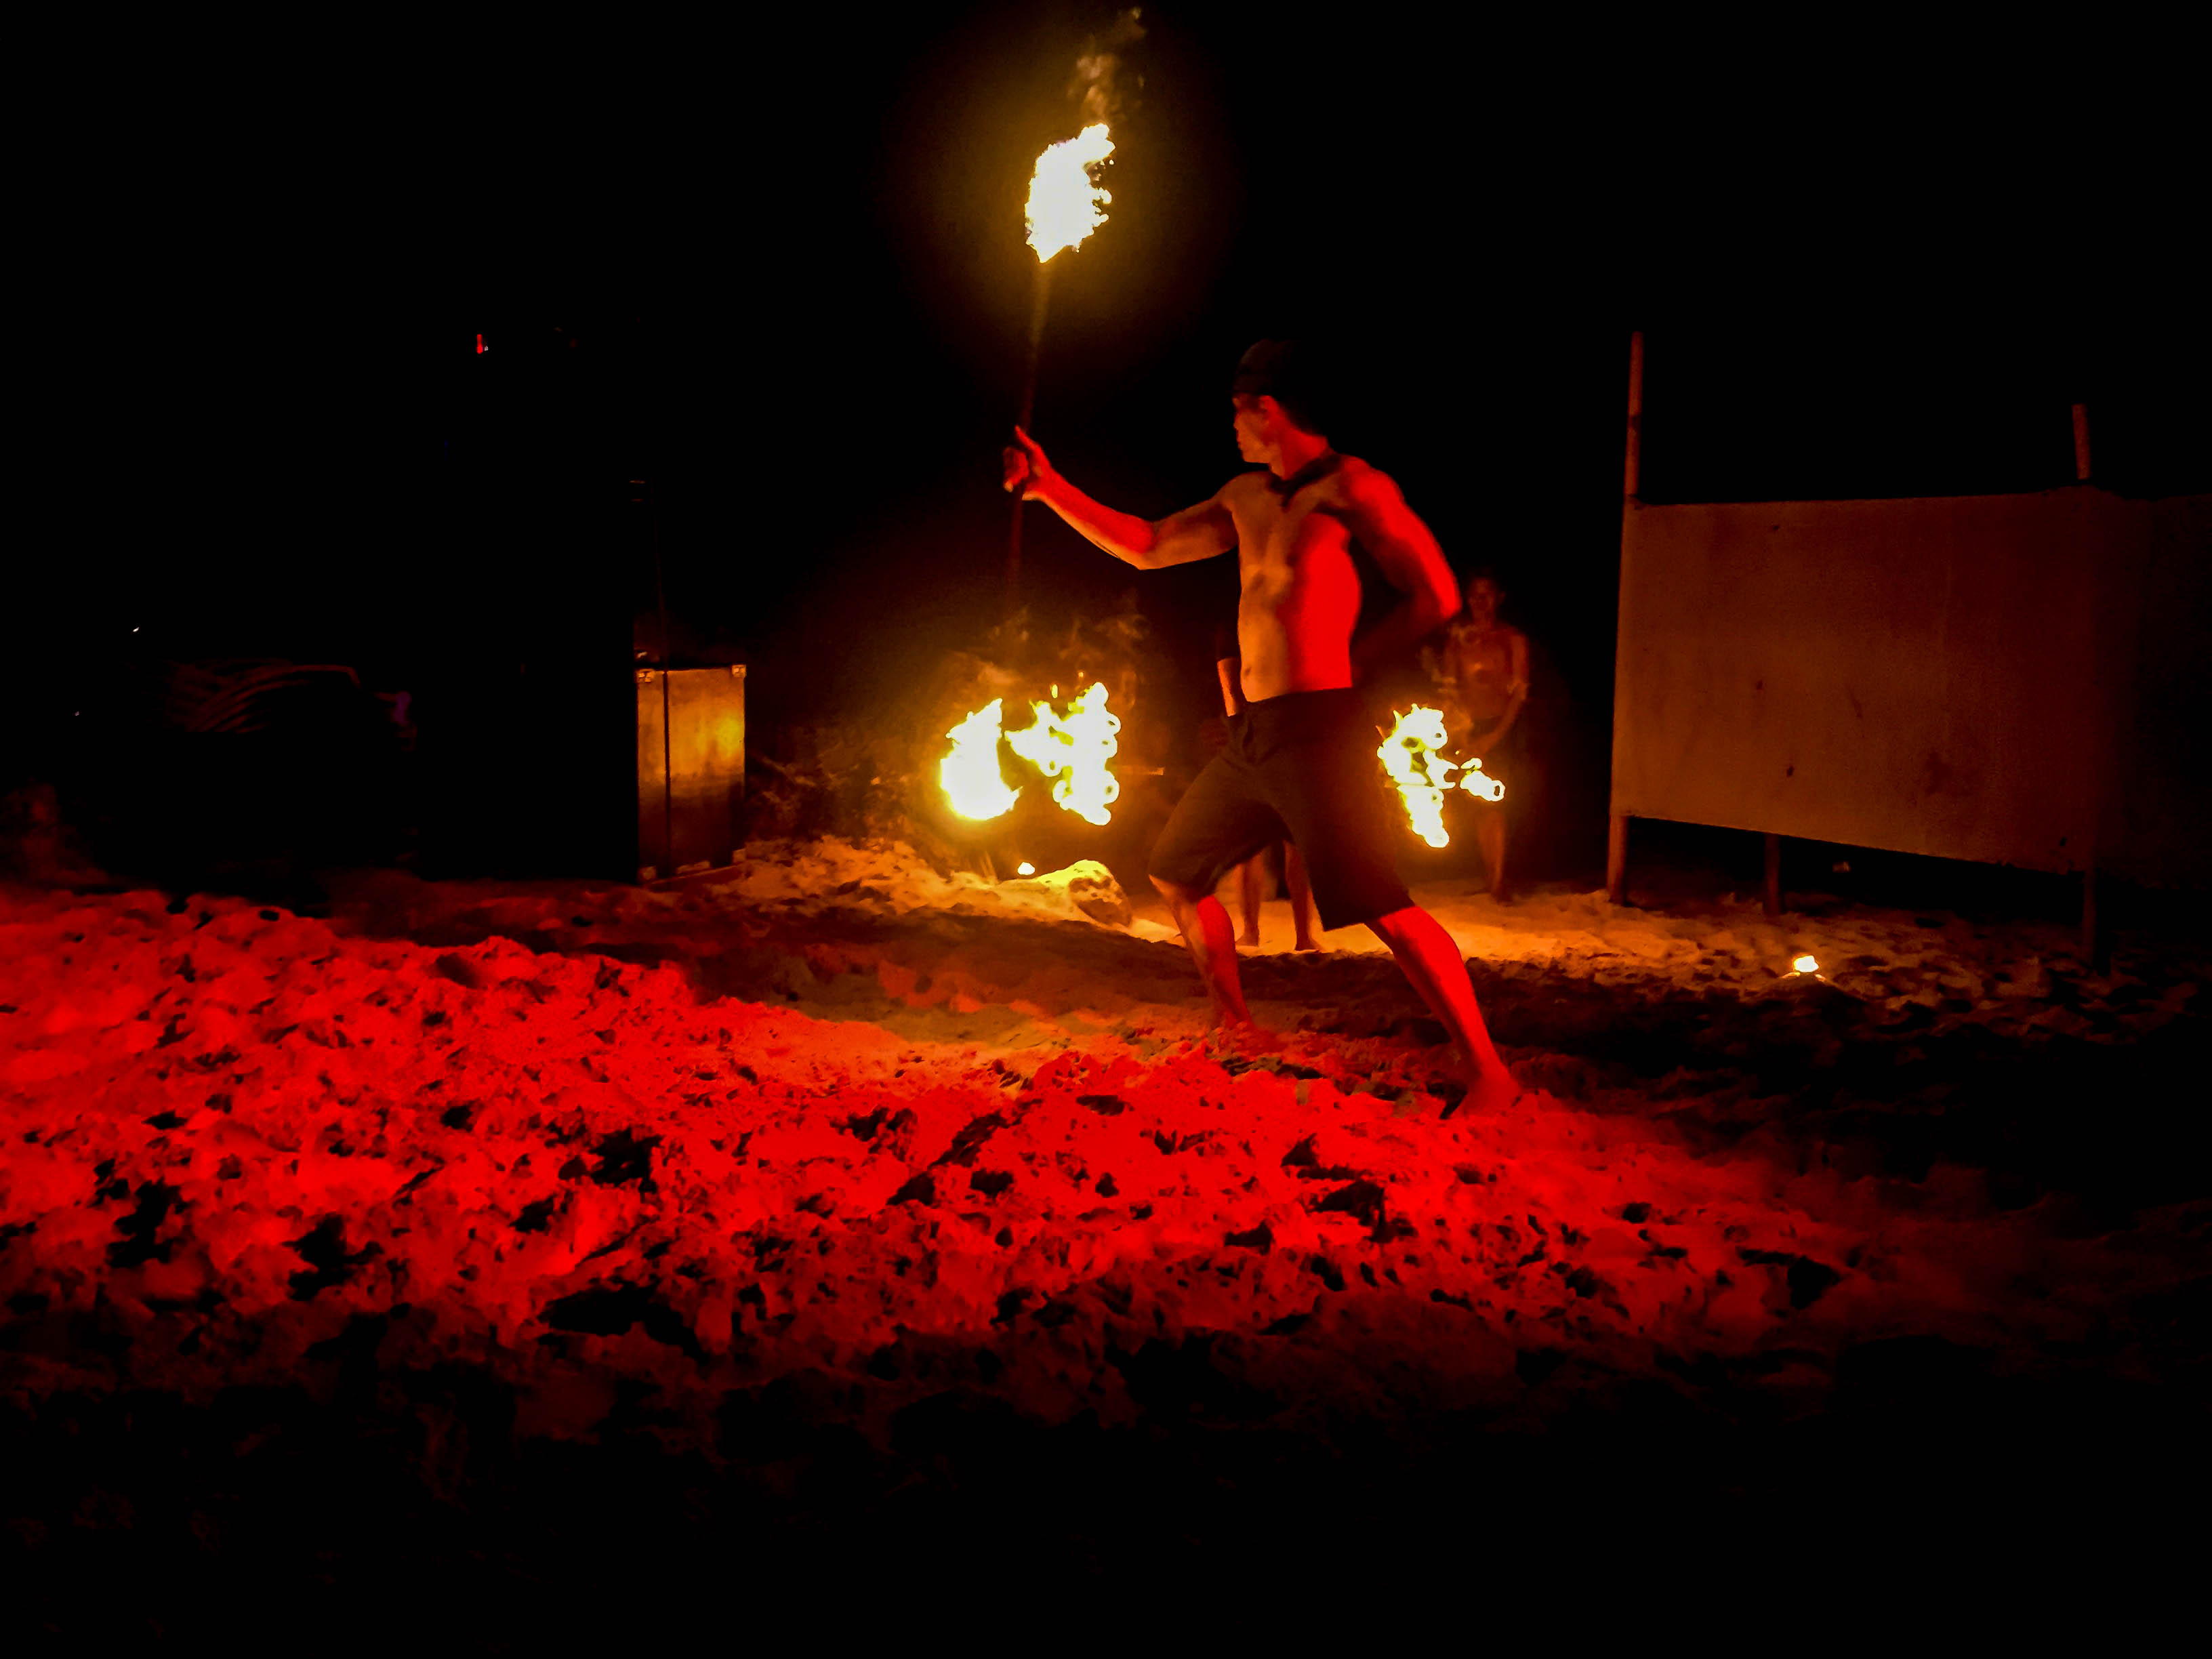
1065 203
1072 749
970 774
1413 756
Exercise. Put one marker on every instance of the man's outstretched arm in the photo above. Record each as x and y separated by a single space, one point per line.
1196 532
1411 561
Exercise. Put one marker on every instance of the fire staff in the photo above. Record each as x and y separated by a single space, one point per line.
1300 761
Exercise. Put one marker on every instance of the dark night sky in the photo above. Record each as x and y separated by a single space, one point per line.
789 256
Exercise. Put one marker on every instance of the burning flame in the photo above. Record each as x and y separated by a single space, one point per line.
1476 781
1074 750
1413 756
1025 868
1409 756
1065 202
970 774
1806 965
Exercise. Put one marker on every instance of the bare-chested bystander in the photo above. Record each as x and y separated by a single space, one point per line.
1301 758
1483 669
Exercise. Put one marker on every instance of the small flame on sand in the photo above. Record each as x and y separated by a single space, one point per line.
970 774
1074 750
1806 965
1025 868
1413 756
1065 202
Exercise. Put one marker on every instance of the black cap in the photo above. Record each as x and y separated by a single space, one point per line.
1263 368
1276 369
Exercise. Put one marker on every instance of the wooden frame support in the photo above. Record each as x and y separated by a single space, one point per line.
1632 480
2096 936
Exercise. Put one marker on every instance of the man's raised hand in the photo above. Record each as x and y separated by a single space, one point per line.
1026 466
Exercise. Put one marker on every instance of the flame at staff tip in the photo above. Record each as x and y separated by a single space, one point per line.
1065 203
1073 750
1413 756
970 774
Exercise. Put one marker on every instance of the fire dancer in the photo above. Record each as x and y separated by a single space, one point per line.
1301 758
1228 667
1483 670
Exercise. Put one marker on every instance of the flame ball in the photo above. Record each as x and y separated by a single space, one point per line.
1413 756
970 774
1074 750
1410 755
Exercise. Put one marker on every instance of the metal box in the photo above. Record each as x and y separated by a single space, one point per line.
690 768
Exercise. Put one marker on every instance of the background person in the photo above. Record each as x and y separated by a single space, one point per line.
1481 669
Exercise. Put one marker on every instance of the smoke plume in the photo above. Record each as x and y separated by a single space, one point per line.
1095 86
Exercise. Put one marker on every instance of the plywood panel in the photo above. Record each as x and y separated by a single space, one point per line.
1920 675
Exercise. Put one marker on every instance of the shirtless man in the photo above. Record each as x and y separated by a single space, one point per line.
1301 758
1484 671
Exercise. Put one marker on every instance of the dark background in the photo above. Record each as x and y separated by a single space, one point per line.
776 271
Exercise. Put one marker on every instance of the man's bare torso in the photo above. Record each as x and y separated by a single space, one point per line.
1299 590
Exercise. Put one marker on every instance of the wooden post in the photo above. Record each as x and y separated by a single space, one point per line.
1632 481
1770 892
2096 938
1632 475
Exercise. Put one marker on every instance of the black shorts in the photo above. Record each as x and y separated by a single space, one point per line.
1303 767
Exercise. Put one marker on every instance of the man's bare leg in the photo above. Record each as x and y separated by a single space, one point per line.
1432 961
1302 911
1205 927
1490 835
1248 897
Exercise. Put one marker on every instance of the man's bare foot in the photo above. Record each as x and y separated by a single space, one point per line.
1493 1091
1308 943
1473 1087
1250 936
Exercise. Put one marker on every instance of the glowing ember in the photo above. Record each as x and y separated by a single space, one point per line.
1806 965
1073 750
1414 755
970 774
1065 202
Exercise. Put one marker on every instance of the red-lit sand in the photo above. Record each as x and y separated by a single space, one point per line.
234 1134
